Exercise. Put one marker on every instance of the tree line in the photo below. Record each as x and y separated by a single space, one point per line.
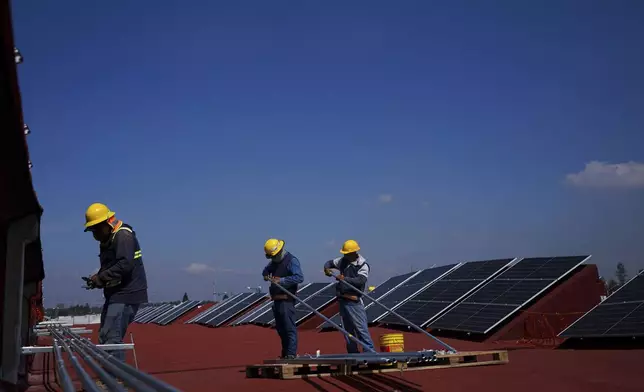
621 277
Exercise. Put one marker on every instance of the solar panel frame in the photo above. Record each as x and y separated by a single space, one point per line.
477 278
262 309
268 318
410 275
423 287
515 307
211 309
143 312
159 310
177 312
161 316
616 300
224 308
228 314
317 301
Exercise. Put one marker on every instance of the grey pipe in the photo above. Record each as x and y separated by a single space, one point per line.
65 380
86 380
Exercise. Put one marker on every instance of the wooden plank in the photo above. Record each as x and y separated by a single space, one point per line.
445 361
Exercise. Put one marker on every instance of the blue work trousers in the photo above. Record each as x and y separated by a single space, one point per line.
115 318
284 313
354 321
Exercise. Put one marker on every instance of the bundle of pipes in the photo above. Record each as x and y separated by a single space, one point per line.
104 365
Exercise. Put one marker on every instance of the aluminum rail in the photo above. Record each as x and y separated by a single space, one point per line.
125 371
65 380
88 384
409 323
336 326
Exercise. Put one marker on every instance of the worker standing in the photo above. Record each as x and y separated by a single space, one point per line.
355 271
284 269
121 274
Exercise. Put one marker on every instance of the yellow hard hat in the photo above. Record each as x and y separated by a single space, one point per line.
273 246
97 213
350 246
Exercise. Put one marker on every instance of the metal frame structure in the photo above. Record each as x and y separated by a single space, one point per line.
333 298
153 314
224 308
238 311
174 313
376 319
598 305
211 309
536 295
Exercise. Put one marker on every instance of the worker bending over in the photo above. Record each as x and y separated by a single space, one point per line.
354 270
121 275
284 269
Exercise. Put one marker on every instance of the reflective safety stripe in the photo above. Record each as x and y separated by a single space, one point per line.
138 254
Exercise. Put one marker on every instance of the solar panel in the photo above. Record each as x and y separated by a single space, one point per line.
212 309
159 310
267 317
264 308
382 290
407 289
175 313
232 311
222 309
504 295
316 301
429 303
620 315
143 311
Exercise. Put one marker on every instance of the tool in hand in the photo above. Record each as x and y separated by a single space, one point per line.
89 283
409 323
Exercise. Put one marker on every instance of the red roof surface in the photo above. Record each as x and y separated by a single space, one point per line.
196 358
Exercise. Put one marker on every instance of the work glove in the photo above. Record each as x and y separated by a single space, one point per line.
275 279
339 277
90 282
267 278
328 272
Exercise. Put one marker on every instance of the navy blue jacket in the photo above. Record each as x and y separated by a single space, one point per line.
356 274
122 273
289 271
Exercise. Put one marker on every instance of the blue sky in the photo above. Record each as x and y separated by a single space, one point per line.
431 132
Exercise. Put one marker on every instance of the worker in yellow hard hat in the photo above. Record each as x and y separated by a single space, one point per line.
354 270
121 274
285 270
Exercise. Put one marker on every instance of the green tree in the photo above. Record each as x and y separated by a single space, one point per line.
185 297
621 274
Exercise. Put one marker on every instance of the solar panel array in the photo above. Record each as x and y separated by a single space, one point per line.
504 295
223 308
430 302
267 317
229 313
174 313
143 311
317 301
379 292
211 310
406 290
153 313
263 308
620 315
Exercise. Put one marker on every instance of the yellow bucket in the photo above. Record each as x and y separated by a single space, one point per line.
392 343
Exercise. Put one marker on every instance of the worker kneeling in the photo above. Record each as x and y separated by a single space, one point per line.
355 271
121 275
283 269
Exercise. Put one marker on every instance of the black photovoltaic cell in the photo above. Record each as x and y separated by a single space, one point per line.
316 301
505 294
142 312
424 306
406 290
223 308
254 313
155 313
232 311
377 293
179 311
267 318
620 315
211 310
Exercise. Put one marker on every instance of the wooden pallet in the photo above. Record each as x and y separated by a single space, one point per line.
270 369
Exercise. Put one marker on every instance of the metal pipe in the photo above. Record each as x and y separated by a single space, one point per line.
409 323
124 368
328 320
100 372
86 380
65 380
